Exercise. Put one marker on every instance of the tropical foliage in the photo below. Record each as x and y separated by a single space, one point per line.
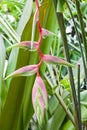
43 65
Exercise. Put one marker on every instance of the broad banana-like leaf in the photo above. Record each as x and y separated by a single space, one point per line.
11 112
33 59
18 110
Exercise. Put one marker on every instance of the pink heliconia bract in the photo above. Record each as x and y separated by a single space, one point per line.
24 71
27 44
55 60
39 98
46 32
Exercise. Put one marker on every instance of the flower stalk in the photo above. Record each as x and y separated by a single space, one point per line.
79 14
79 40
64 39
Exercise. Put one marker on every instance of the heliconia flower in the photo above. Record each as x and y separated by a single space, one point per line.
39 99
56 60
25 45
24 71
46 32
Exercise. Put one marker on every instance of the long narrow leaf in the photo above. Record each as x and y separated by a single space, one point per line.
2 61
25 16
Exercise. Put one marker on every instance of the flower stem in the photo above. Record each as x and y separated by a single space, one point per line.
61 102
79 40
79 14
78 85
64 39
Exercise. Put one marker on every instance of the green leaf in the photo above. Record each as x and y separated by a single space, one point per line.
12 108
56 120
60 5
24 18
35 18
83 113
65 83
18 110
21 25
53 103
45 18
2 62
84 7
49 22
68 126
83 98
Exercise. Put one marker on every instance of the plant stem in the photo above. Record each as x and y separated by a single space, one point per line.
79 40
78 76
64 39
65 107
61 102
79 14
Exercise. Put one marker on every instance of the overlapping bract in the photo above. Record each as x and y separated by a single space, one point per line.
39 99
